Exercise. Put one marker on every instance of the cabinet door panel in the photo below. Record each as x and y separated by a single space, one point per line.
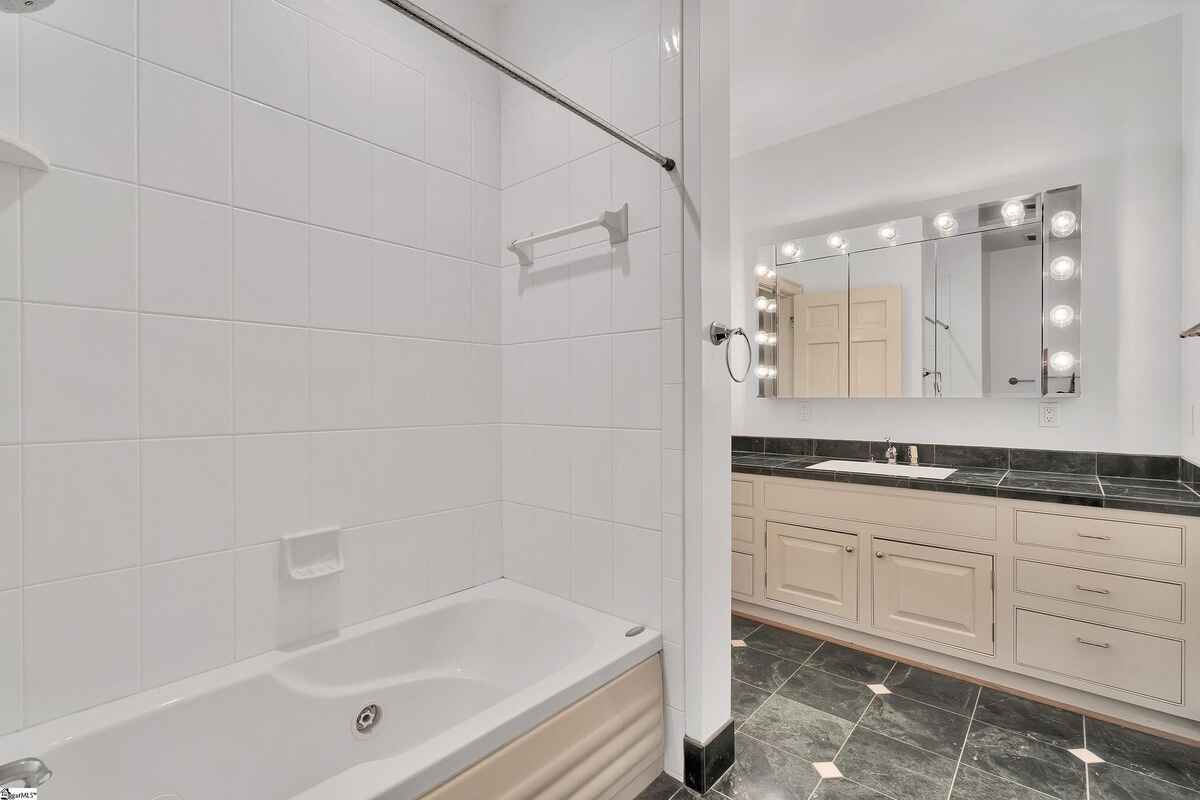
813 568
935 593
743 575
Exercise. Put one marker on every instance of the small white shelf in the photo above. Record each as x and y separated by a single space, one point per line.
313 554
13 151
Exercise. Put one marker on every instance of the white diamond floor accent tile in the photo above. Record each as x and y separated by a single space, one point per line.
879 688
738 643
1086 756
827 769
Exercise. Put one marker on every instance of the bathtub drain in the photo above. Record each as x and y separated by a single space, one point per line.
367 719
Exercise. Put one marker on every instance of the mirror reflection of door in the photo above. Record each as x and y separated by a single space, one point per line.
887 298
813 338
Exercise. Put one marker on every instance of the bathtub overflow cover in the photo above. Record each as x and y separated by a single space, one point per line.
367 719
635 630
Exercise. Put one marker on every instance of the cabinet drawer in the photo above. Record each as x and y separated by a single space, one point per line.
1133 662
940 515
1138 540
1142 596
935 593
813 568
743 493
743 529
743 574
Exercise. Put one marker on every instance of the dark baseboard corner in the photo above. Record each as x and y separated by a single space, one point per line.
704 764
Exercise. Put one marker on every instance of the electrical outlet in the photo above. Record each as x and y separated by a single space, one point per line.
1048 415
805 411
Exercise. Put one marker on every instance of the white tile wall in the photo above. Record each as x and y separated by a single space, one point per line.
220 322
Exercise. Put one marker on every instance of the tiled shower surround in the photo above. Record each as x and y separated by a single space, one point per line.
257 293
820 721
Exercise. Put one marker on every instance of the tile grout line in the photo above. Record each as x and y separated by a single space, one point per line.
962 750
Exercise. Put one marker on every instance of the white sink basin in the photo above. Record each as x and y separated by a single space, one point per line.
878 468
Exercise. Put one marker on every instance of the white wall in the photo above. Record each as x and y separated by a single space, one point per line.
239 305
1189 430
1106 115
592 371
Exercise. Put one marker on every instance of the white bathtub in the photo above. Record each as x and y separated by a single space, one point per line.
455 680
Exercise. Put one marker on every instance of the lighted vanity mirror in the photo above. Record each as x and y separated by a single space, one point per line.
981 301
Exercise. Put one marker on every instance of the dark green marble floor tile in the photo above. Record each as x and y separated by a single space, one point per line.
838 696
1141 752
852 664
808 732
746 700
761 670
1110 782
926 727
1029 718
740 627
1024 760
895 768
971 784
842 789
785 644
762 772
933 688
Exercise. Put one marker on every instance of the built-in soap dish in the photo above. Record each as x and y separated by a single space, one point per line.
313 554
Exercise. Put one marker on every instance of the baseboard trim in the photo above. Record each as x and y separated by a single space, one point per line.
705 764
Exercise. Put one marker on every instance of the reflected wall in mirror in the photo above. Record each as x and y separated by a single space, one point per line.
975 302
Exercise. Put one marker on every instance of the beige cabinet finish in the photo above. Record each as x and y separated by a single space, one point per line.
1140 596
742 493
812 568
1135 662
742 578
1162 543
743 529
934 593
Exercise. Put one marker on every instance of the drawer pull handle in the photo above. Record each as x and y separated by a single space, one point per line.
879 554
1090 589
1093 536
849 548
1081 640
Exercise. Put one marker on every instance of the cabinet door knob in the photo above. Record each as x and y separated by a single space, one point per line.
849 548
879 554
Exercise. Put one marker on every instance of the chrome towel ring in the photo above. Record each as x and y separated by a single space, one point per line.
718 333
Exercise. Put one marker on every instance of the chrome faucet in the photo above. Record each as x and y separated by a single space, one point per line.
891 450
27 773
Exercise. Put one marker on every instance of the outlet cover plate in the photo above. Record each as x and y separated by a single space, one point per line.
1048 415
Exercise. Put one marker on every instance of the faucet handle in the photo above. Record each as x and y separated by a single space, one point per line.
26 773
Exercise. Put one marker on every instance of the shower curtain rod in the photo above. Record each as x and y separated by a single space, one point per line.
441 28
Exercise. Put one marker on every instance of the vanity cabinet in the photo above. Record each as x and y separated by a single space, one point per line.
934 593
813 568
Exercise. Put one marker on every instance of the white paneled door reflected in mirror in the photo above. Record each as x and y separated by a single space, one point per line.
943 301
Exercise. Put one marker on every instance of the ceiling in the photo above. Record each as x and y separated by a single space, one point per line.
802 65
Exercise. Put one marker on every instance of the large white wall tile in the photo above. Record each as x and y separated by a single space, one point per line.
591 280
94 263
186 376
488 526
485 304
80 509
637 480
637 575
398 106
636 378
536 385
449 310
672 351
10 661
398 198
591 381
272 609
533 135
181 115
635 100
270 159
10 372
485 144
272 486
110 23
448 128
270 54
10 76
588 82
592 563
192 38
672 530
636 283
81 644
536 205
10 517
399 289
672 285
271 378
187 497
485 224
339 71
451 539
340 181
591 472
344 492
79 371
188 622
636 181
537 466
10 228
672 416
77 101
341 380
185 248
399 573
537 548
590 193
339 280
534 304
447 227
672 482
270 269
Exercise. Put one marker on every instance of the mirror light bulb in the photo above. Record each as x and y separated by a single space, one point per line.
1062 361
771 307
772 339
836 241
1013 212
789 250
887 233
1063 224
1062 268
761 337
760 270
1062 316
772 372
770 274
760 303
762 373
945 223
